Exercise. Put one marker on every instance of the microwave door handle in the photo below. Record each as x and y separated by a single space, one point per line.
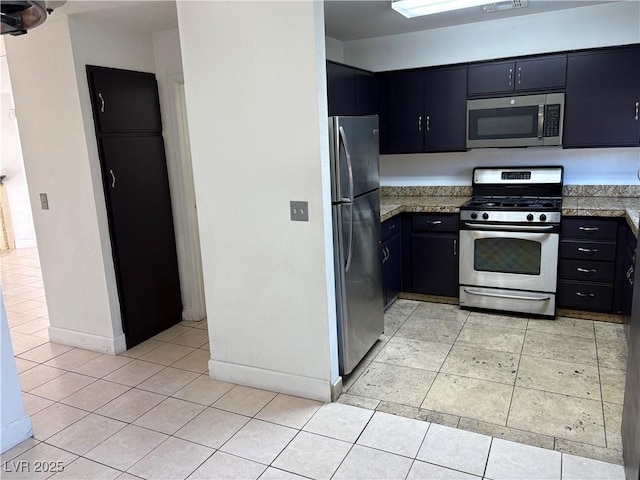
540 121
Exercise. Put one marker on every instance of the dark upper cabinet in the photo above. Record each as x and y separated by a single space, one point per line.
521 76
366 93
602 99
425 110
124 101
341 87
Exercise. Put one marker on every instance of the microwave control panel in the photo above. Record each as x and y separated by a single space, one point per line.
552 120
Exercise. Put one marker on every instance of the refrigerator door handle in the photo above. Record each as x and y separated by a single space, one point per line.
350 251
343 137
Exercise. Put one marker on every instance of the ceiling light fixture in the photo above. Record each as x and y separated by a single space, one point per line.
417 8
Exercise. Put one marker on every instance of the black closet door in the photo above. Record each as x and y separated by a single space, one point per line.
142 235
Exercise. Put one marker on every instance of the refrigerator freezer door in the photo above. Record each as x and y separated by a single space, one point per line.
354 156
359 287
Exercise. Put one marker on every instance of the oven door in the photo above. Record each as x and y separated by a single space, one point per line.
509 259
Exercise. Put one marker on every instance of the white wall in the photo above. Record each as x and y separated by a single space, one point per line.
259 139
16 425
334 49
586 27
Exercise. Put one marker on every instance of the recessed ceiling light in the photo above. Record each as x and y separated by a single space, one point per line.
417 8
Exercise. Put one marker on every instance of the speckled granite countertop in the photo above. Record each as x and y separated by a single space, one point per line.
587 201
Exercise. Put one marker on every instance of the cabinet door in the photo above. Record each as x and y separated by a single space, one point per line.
341 89
491 78
445 110
142 235
405 121
392 249
435 264
544 73
601 105
124 101
366 89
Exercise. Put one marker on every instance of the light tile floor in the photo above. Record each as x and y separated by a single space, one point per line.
154 413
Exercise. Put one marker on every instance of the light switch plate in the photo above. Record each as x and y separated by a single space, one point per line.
299 211
44 201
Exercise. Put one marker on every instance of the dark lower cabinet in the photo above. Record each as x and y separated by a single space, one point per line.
391 251
136 188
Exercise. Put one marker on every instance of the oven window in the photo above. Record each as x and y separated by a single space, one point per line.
507 255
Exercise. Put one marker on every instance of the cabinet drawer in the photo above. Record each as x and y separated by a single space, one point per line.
390 228
585 227
579 249
442 223
585 295
587 270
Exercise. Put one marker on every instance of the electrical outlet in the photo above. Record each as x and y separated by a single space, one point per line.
44 201
299 211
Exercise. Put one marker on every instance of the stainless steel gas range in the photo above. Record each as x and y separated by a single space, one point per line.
509 238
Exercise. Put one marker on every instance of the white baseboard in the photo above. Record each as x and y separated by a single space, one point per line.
299 386
189 313
15 433
26 243
88 341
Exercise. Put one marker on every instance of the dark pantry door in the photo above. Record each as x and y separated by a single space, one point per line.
136 189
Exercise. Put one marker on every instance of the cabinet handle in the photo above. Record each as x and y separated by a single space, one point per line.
588 229
510 76
588 251
519 75
420 123
392 227
387 254
113 179
455 247
587 271
427 123
433 223
584 295
101 102
630 275
637 109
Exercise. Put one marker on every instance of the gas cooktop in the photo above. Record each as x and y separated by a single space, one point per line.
514 203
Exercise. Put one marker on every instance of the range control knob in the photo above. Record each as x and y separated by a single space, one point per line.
485 215
530 217
543 217
474 215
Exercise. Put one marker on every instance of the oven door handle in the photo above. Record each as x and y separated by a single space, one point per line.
509 227
541 298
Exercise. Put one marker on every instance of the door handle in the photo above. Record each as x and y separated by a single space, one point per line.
101 102
113 179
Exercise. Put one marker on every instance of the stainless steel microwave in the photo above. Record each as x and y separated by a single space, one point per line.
517 121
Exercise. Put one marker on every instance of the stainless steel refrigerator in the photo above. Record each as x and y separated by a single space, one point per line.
355 198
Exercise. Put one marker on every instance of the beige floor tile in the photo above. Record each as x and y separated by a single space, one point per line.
613 425
39 454
96 395
608 332
612 383
134 373
507 433
204 347
37 376
457 449
131 405
482 364
469 397
289 411
394 434
220 465
498 320
26 306
200 429
244 400
72 359
204 390
579 468
574 327
259 441
25 343
394 383
174 458
169 416
167 354
421 470
393 321
194 337
416 413
603 454
557 415
32 327
33 404
86 433
197 361
560 347
440 311
16 319
277 474
312 456
431 329
168 381
356 401
366 464
491 337
203 325
612 354
126 447
45 352
339 421
82 468
63 386
404 307
511 461
24 365
171 333
408 352
142 348
102 365
572 379
18 450
53 419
